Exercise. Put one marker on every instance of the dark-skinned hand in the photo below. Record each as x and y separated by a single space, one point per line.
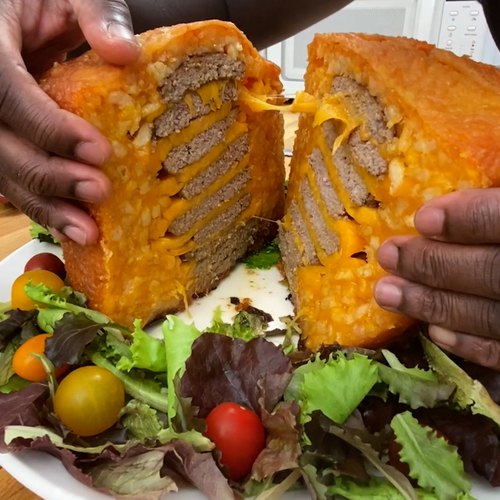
48 156
450 276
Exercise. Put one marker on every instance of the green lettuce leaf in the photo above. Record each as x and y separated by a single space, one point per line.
196 439
267 490
335 387
113 347
14 384
6 371
265 259
20 431
146 352
395 477
9 382
470 393
141 420
4 307
59 301
42 234
138 475
146 390
178 337
433 462
312 479
415 387
376 489
245 326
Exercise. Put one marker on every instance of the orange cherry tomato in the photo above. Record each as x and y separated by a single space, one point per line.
20 300
28 366
88 400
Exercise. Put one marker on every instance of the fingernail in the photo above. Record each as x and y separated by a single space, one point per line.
90 191
76 234
57 235
91 153
429 221
387 294
388 255
442 336
117 30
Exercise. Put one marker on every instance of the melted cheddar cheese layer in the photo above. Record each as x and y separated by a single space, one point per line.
138 269
334 297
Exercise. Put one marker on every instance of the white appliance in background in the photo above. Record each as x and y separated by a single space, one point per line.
459 26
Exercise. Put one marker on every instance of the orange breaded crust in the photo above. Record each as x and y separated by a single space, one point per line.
443 114
138 269
453 99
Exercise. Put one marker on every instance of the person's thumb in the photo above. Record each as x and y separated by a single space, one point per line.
107 27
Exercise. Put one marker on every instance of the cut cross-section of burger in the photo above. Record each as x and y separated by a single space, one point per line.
396 123
197 177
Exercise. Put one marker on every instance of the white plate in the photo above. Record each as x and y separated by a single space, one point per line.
47 477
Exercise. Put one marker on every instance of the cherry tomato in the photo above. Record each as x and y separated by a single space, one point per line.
30 367
47 261
88 400
3 200
239 435
20 300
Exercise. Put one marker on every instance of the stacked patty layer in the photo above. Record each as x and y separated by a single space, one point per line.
197 177
396 123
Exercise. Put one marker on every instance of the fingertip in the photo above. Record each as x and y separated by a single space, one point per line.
58 236
83 232
443 337
388 293
113 40
121 33
93 190
483 351
93 151
74 223
388 255
116 49
429 221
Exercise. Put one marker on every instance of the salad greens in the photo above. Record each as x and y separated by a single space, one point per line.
40 233
335 387
268 257
433 462
333 419
469 392
414 386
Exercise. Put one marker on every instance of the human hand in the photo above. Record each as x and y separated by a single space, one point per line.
450 276
48 155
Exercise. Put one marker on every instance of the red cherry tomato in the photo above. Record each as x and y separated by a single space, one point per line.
47 261
239 435
28 366
3 200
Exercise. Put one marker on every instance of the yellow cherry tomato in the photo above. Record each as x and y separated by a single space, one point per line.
88 400
20 300
27 365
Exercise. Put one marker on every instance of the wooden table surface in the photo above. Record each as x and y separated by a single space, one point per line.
13 234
